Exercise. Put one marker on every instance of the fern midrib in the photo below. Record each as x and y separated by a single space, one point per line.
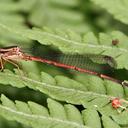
82 44
23 33
54 87
41 117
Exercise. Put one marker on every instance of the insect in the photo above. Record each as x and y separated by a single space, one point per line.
14 54
116 103
119 103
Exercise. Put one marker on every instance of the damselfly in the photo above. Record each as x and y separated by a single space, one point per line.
14 53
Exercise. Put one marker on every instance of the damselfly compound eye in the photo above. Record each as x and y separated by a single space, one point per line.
16 49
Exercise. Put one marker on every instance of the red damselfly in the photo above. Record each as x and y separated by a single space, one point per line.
14 53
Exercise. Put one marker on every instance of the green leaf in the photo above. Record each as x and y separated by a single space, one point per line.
11 6
27 114
56 109
56 91
57 115
68 90
38 109
69 83
91 118
121 118
112 89
108 122
58 14
115 7
70 45
73 114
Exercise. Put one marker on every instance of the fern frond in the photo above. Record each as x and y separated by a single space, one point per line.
91 118
109 116
13 6
122 119
49 13
71 3
35 115
65 89
57 115
108 122
116 7
71 42
13 20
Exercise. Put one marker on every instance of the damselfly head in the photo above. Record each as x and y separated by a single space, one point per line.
16 49
10 49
